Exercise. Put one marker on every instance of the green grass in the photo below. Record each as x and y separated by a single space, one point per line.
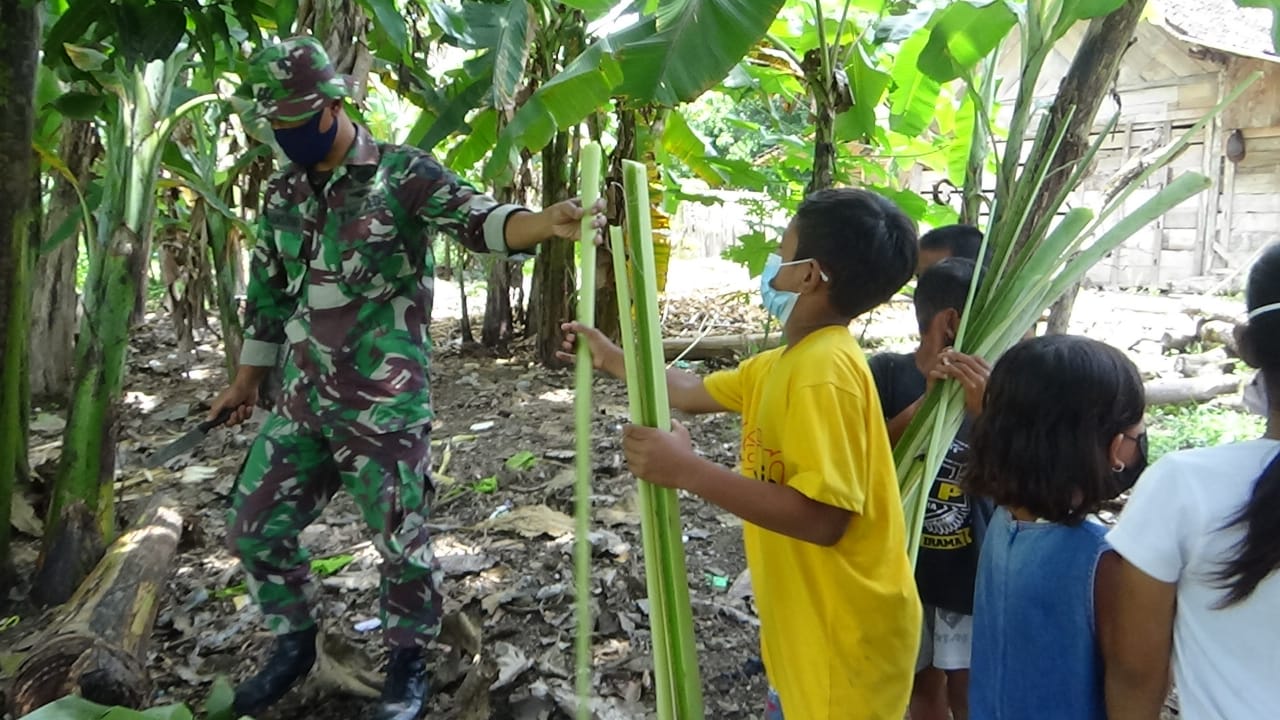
1179 427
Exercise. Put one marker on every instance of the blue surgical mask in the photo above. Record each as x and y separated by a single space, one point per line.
305 144
779 303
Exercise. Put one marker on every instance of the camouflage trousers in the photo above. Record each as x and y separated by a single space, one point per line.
291 474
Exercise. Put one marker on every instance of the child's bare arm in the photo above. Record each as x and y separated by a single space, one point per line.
1135 628
666 458
898 424
685 389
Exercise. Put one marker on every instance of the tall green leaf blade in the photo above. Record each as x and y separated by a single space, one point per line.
509 30
696 44
593 8
914 98
478 142
1183 188
961 146
589 187
388 21
868 85
565 100
143 34
286 12
963 35
452 117
682 143
664 520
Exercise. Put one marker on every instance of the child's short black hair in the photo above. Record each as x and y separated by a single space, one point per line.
945 285
961 241
1053 406
865 244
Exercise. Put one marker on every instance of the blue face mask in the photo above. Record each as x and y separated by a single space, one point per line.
306 145
779 303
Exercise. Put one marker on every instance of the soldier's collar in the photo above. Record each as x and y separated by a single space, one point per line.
364 151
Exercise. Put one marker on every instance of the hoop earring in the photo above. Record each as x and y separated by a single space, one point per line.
1118 467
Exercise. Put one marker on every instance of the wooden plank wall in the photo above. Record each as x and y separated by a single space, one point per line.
1166 85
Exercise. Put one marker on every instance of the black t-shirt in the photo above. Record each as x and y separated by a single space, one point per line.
954 522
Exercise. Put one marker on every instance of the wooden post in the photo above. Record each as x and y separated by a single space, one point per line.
97 646
1212 168
1229 190
1160 222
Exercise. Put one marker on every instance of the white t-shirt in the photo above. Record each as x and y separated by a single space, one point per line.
1226 662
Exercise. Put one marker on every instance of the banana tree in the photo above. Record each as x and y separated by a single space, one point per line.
142 118
874 116
196 165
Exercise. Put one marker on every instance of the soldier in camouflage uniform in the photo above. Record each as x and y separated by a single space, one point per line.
342 278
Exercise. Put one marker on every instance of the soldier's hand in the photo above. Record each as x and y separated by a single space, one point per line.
240 398
566 219
604 354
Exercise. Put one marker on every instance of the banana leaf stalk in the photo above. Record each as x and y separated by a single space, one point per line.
589 187
1011 295
675 654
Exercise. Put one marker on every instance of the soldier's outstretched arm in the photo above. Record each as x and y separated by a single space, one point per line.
480 223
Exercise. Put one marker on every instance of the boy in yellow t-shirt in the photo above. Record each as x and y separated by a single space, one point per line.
824 533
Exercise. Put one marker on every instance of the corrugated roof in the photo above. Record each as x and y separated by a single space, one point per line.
1220 24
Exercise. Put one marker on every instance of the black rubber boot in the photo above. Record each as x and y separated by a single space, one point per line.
404 695
291 659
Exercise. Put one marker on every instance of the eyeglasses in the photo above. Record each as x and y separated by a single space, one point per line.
1140 439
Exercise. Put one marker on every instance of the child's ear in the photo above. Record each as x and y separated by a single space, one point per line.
952 319
1113 452
814 278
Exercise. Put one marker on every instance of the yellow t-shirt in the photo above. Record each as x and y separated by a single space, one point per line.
839 625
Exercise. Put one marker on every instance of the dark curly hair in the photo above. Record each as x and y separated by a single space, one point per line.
1053 406
865 244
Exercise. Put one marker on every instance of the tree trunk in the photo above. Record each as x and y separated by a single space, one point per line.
1091 75
719 347
180 254
499 320
824 150
1174 391
499 312
18 58
97 646
1060 311
823 97
468 337
226 248
555 283
54 300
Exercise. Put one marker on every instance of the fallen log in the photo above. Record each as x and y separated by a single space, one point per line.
1172 391
96 646
718 347
1214 362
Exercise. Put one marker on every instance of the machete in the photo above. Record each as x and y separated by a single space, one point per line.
187 442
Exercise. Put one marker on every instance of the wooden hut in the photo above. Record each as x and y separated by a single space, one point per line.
1186 56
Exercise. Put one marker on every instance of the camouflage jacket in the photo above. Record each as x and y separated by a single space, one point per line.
346 283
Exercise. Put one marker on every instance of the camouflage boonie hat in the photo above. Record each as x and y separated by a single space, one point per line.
292 80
